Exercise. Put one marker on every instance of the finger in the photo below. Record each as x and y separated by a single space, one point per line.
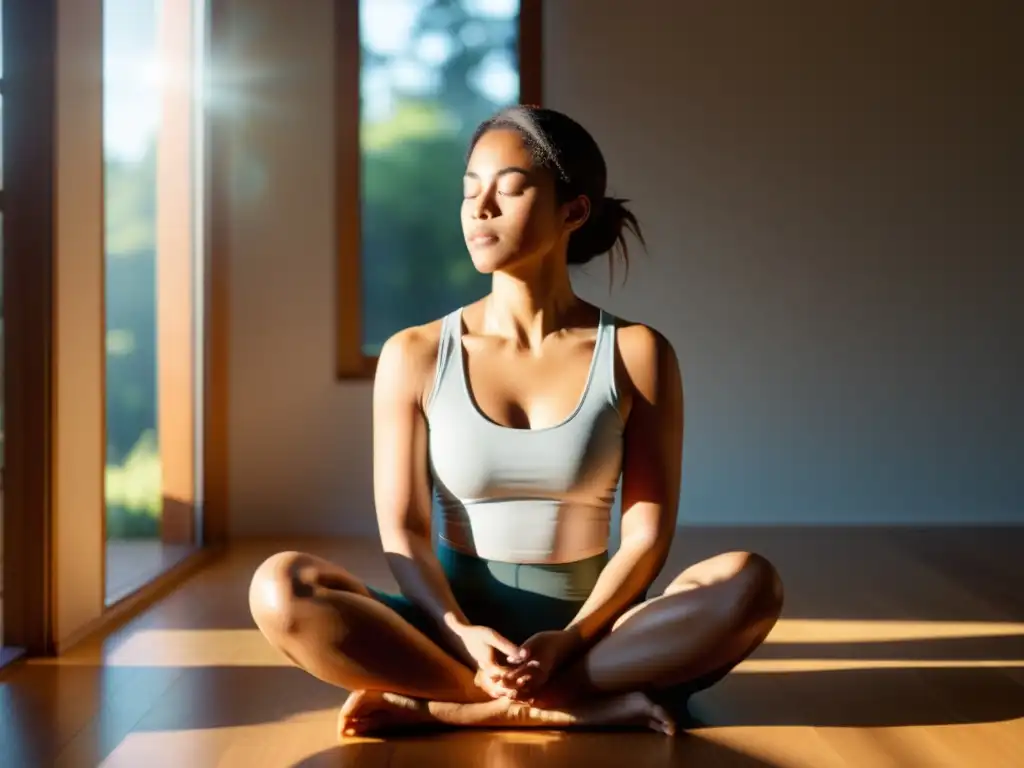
504 690
496 691
499 678
536 682
523 653
492 688
513 677
495 669
525 687
489 685
495 677
530 668
502 644
493 673
498 660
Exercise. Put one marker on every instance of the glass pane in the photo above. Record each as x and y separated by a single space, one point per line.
431 71
2 380
150 258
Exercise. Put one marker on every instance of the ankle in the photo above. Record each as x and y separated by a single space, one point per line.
521 712
570 688
469 713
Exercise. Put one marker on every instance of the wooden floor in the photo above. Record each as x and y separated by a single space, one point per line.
897 648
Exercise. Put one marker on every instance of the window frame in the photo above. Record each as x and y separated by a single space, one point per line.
350 361
32 556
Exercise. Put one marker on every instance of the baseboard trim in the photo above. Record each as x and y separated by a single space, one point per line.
134 603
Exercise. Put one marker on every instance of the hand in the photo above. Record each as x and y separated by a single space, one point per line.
494 656
545 654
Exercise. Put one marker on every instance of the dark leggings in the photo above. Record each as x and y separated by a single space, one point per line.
520 599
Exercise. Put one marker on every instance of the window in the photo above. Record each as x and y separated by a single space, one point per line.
152 54
428 71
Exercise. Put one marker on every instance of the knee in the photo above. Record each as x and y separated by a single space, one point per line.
759 587
746 582
276 588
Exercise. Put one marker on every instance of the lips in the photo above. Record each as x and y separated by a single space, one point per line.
482 237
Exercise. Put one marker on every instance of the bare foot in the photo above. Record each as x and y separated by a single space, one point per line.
627 710
367 712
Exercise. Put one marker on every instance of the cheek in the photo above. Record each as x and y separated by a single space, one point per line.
535 229
466 214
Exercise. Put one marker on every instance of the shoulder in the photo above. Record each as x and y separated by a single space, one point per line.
407 361
649 366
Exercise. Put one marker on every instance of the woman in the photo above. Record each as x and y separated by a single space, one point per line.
519 617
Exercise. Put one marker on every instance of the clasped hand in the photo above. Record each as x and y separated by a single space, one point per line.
517 672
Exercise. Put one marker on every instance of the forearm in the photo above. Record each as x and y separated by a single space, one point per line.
417 570
629 572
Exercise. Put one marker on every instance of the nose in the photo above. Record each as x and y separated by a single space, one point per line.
483 206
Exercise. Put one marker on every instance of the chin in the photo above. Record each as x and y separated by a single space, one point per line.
488 262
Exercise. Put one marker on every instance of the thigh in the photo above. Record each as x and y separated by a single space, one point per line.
412 614
332 625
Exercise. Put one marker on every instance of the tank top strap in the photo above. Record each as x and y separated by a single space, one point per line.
448 346
603 382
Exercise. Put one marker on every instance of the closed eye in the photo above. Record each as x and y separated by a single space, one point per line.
520 178
502 192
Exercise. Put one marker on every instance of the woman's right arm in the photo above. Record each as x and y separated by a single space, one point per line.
402 489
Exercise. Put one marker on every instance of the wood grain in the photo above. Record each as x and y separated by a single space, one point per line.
887 655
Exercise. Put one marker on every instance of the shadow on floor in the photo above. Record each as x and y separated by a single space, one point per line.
863 698
155 699
536 750
35 715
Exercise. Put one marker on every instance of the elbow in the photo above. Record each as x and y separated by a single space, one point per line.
403 541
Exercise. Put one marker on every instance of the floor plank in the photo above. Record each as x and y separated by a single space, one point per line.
897 648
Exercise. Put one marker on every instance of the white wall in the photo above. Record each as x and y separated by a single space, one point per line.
827 194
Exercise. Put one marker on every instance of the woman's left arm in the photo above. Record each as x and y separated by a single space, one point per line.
652 465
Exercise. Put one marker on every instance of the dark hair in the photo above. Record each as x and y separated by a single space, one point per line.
562 145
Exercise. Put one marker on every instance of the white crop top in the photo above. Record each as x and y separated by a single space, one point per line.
524 495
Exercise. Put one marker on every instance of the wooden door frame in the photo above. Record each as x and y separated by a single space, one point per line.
29 154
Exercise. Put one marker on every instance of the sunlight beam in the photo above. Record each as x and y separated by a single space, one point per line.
248 648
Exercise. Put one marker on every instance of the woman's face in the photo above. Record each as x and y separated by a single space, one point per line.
509 211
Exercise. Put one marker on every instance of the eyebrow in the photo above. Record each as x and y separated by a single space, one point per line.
502 172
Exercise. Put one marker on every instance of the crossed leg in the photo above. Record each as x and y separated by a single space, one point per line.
325 621
709 618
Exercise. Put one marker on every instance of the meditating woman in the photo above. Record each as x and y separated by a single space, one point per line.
523 412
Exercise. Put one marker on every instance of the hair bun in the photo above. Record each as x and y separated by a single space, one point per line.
600 232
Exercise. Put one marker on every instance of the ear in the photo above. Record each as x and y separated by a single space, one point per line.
576 212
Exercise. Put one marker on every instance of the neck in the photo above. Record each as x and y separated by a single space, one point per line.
531 304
